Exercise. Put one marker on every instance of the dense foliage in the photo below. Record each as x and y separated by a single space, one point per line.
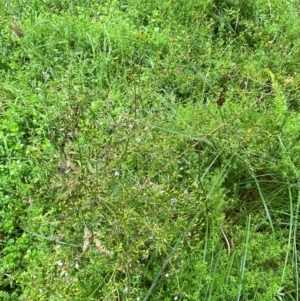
149 150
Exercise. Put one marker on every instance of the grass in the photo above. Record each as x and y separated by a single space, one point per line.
149 150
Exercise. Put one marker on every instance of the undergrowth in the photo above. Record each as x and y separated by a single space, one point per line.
149 150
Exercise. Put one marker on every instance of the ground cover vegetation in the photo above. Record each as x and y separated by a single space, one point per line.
149 150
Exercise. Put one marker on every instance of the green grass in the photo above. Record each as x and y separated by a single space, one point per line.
149 151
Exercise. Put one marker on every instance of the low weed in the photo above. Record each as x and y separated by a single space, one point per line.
149 150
